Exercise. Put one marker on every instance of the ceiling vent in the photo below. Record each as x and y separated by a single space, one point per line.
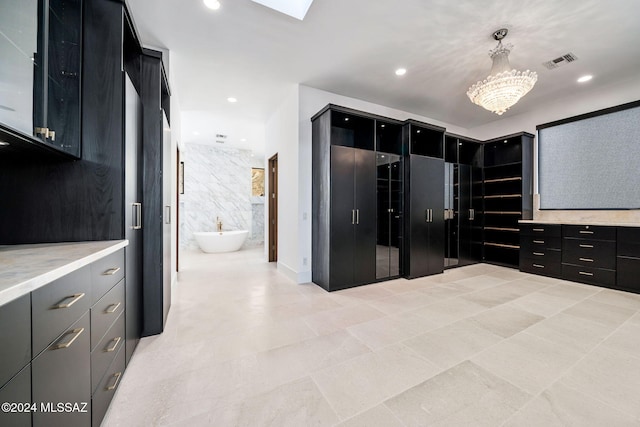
562 60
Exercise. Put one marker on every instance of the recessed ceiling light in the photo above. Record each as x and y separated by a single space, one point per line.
418 131
401 71
381 126
232 99
212 4
585 78
346 119
243 139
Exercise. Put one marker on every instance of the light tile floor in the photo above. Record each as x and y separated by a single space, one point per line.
476 346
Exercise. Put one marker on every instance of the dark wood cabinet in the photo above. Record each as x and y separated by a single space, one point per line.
424 201
541 249
17 391
628 259
508 195
589 254
42 68
62 373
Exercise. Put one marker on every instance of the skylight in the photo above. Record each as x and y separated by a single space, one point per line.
295 8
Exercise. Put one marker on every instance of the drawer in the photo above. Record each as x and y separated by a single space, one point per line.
54 307
593 253
18 390
628 274
15 337
547 230
105 273
106 311
530 243
105 351
552 269
544 256
62 373
107 388
595 232
629 241
593 276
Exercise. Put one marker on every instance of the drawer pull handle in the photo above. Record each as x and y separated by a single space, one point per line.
111 271
538 229
538 266
584 273
76 333
586 259
115 342
73 299
587 246
538 253
112 308
117 376
586 232
541 242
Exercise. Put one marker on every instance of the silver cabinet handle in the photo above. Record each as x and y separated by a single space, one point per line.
584 273
137 216
115 341
538 253
76 333
72 300
112 308
353 216
538 266
541 242
538 229
357 216
426 215
111 271
587 246
586 232
117 376
472 214
586 259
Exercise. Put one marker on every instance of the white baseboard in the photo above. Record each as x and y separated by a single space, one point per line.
298 277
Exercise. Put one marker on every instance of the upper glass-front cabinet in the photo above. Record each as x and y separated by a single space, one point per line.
40 47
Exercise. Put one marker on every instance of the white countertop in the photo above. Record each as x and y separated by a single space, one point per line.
24 268
608 224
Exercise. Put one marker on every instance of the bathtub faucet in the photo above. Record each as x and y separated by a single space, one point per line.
218 224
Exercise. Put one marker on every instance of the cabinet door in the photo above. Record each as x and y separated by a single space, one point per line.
435 199
464 204
342 217
18 390
365 205
62 373
133 216
426 239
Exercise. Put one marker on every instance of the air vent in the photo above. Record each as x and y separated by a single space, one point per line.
564 59
221 136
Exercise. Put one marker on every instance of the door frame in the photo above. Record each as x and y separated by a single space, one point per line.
272 248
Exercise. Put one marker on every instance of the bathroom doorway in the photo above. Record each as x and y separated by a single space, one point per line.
273 208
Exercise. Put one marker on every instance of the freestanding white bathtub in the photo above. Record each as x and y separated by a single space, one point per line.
220 241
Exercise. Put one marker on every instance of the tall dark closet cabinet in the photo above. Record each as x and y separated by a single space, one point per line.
424 200
463 201
357 198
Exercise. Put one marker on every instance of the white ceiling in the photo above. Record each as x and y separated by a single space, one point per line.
352 47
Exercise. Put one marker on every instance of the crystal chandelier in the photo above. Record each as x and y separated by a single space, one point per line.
504 86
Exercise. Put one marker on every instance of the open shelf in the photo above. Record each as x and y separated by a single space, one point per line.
502 229
504 196
515 178
501 245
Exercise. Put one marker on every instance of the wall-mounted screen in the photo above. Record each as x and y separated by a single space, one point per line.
591 163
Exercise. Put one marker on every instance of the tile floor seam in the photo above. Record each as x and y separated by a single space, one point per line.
586 354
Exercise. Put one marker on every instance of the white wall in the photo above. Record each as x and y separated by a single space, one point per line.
281 137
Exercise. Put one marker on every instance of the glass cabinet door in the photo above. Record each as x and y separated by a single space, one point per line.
389 218
18 44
